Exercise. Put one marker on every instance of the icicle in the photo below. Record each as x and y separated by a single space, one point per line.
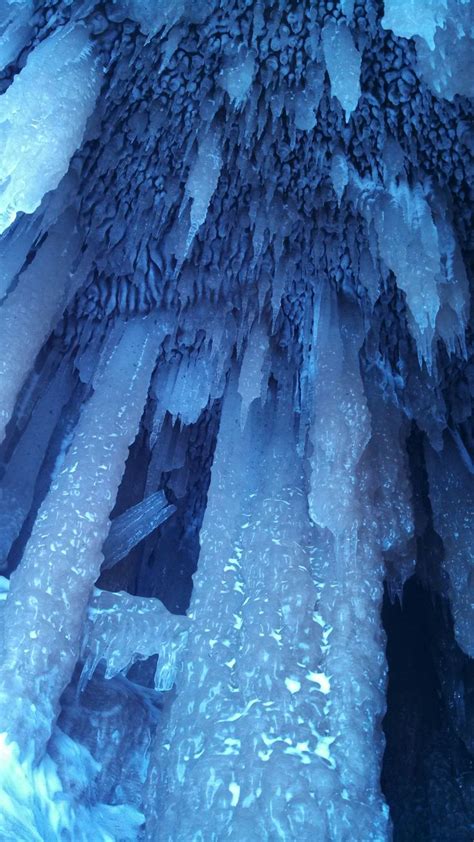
122 628
187 390
43 115
341 427
252 375
407 18
408 243
131 527
306 102
236 76
339 174
50 590
152 15
391 492
343 64
447 72
201 184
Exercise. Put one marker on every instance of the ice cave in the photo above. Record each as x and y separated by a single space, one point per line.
236 421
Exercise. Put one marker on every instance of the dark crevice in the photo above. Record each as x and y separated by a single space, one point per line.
428 769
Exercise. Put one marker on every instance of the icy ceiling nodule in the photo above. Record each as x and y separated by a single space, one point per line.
236 381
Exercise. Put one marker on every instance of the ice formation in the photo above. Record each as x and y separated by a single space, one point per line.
42 118
236 428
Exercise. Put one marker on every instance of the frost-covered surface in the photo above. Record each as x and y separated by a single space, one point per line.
235 404
38 807
42 119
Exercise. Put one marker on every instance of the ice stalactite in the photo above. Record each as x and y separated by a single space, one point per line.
343 64
43 115
46 607
122 628
415 17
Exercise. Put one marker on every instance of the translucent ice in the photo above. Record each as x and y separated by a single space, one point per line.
407 18
153 15
343 64
252 370
449 72
339 174
50 589
247 746
408 243
306 102
237 76
122 628
131 527
298 247
348 564
183 388
202 182
43 115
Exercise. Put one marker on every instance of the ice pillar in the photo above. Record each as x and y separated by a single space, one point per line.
46 608
245 740
349 567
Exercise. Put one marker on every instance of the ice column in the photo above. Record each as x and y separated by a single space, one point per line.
46 607
43 115
244 745
348 565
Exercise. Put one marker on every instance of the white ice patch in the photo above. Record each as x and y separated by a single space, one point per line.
321 679
293 685
234 790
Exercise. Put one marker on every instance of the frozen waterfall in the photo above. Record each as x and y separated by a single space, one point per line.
236 421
